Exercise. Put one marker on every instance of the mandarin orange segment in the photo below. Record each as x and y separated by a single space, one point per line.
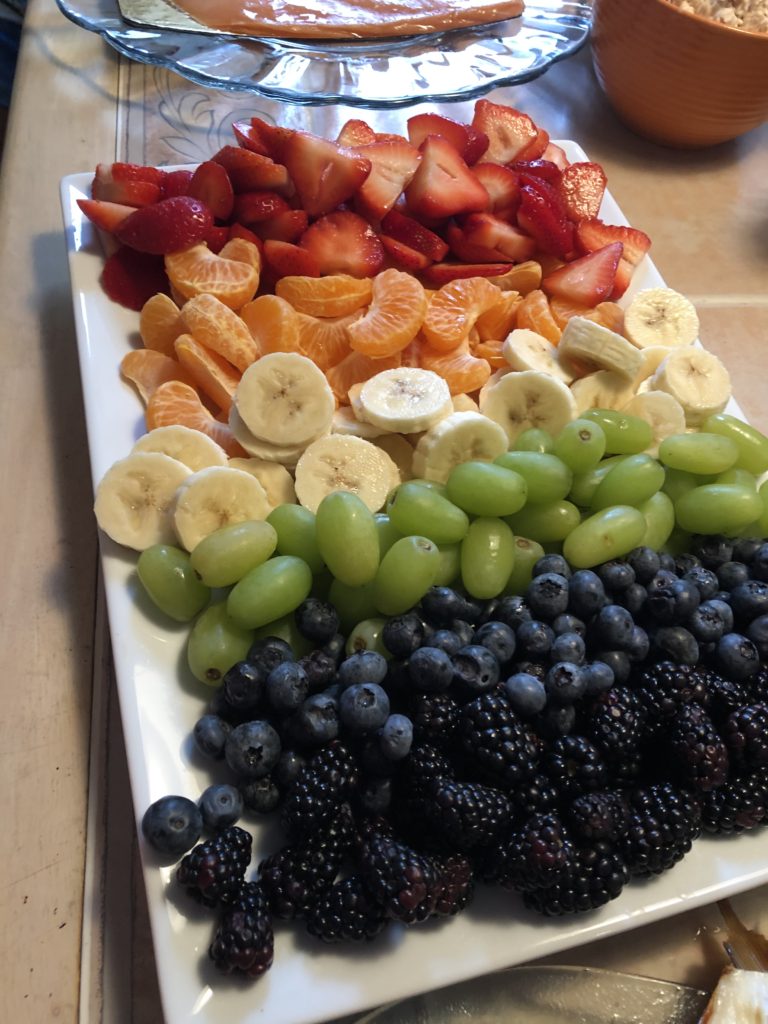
147 369
563 309
534 314
175 402
160 323
325 341
398 306
523 278
461 371
333 295
454 309
215 325
491 351
273 323
500 319
411 354
242 251
214 376
355 368
197 271
610 315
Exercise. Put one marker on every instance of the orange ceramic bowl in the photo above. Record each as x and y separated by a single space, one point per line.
678 78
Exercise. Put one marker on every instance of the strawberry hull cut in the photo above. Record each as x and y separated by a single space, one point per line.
443 185
325 175
587 280
344 243
509 131
581 189
592 234
168 226
393 165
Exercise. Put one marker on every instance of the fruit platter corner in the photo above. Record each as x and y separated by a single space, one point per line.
434 550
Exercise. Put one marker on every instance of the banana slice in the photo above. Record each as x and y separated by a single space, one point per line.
527 350
661 316
652 357
273 477
134 499
400 451
529 399
594 347
346 422
353 394
284 399
215 497
405 400
493 379
602 390
455 439
189 446
662 411
259 449
345 463
464 403
697 379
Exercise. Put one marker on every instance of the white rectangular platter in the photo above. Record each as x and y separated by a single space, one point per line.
160 703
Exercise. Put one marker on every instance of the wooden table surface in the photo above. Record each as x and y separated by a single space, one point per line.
73 929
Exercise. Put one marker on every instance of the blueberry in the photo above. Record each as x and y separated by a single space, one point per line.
586 594
317 620
568 623
499 638
243 686
710 621
373 761
759 563
663 578
639 645
749 599
252 749
317 720
210 734
731 574
362 667
613 626
375 795
334 647
565 683
686 561
396 737
618 662
268 652
512 610
633 598
260 795
556 720
221 806
712 550
442 604
569 647
463 630
673 603
334 693
757 631
675 643
172 825
430 670
287 686
745 549
551 563
475 668
403 634
724 596
704 580
526 694
537 669
364 707
446 640
287 769
535 638
547 595
667 562
737 656
599 677
319 667
616 575
645 562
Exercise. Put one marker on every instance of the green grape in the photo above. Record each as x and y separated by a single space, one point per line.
735 475
624 434
386 531
678 542
534 440
698 453
527 554
225 556
419 510
585 484
608 534
659 513
631 482
216 643
677 483
433 485
296 534
405 574
450 565
550 521
548 478
580 445
285 629
752 444
352 603
485 489
347 538
170 581
269 591
759 528
717 508
487 557
367 636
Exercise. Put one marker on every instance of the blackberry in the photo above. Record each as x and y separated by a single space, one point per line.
599 816
455 887
346 913
758 685
615 723
243 940
697 749
322 785
403 881
746 736
597 876
725 697
536 856
423 764
465 814
536 795
664 821
435 718
574 765
740 804
293 877
495 739
213 871
665 687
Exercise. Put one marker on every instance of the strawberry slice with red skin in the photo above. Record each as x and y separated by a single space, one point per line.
438 274
237 230
543 169
403 256
587 280
393 165
107 216
469 143
261 137
344 243
176 183
410 232
130 278
217 237
502 186
254 207
287 226
121 171
211 185
471 252
491 232
510 132
126 193
593 234
556 155
581 189
250 172
168 226
536 149
355 132
542 216
477 145
284 258
325 175
443 185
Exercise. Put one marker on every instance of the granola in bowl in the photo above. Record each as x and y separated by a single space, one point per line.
751 15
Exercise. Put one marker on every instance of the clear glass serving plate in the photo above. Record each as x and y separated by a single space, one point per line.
444 66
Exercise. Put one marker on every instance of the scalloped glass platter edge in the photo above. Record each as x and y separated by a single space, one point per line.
160 702
447 66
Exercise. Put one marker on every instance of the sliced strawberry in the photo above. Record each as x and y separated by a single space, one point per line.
344 243
438 274
389 137
355 132
176 183
168 226
403 255
509 131
443 185
503 187
284 258
493 233
536 149
393 165
422 125
468 251
217 237
253 207
249 171
130 278
325 175
477 145
211 185
593 234
587 280
542 216
556 155
581 188
261 137
410 232
287 226
543 169
121 171
107 216
127 193
241 231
